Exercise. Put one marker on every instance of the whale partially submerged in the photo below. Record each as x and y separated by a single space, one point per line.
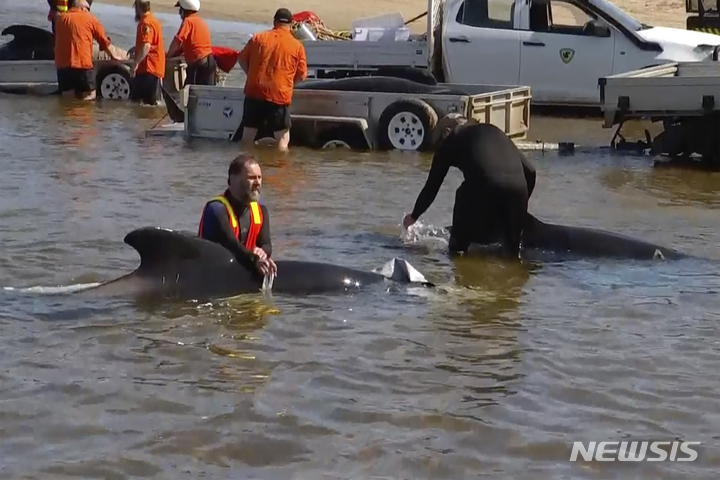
182 266
586 242
591 242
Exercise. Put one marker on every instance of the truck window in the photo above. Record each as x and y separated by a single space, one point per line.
559 16
487 13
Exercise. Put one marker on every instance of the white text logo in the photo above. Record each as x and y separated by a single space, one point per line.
635 451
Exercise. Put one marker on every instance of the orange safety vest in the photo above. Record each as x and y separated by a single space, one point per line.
256 221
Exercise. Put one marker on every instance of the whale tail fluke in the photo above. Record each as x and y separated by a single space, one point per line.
401 271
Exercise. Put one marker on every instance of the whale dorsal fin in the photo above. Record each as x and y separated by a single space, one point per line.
161 246
28 34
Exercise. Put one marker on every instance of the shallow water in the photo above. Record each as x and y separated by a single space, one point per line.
493 374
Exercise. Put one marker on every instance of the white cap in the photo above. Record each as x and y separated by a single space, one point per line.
192 5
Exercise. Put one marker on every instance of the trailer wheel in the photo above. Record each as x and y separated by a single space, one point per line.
113 82
342 136
407 125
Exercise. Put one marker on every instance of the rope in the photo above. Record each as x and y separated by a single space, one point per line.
322 32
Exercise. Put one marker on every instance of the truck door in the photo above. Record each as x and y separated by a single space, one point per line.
479 44
564 53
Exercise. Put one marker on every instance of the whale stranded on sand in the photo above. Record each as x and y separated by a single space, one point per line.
178 265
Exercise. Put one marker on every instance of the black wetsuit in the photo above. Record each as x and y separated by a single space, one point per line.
216 228
491 204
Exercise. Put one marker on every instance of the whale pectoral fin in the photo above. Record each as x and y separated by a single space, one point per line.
159 247
400 270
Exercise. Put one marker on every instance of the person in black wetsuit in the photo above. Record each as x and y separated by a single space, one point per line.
492 202
236 219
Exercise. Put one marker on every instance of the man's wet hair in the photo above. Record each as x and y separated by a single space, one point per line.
240 162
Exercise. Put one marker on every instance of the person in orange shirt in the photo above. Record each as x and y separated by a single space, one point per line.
75 31
273 61
149 62
193 41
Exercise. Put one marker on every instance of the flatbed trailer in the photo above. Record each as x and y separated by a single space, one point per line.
113 79
356 119
685 96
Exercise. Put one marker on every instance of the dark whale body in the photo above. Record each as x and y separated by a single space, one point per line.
591 242
378 85
28 43
177 265
588 242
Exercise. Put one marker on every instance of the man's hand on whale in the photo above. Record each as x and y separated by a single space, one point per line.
265 264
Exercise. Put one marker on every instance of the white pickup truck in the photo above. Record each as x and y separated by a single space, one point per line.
559 48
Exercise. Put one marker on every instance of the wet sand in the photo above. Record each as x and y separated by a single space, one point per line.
338 15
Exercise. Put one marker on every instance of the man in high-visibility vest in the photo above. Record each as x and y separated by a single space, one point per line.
236 220
56 6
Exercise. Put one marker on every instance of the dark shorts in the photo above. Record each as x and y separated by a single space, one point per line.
264 115
202 72
80 80
145 88
486 215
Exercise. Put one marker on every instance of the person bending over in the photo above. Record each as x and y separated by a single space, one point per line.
75 31
193 41
237 221
492 202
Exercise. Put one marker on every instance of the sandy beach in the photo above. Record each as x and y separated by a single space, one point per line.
337 15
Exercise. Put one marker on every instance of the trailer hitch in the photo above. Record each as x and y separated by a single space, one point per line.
619 142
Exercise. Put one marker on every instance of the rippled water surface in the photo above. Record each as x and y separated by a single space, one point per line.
493 374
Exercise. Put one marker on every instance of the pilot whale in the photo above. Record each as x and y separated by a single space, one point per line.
180 265
378 84
28 43
591 242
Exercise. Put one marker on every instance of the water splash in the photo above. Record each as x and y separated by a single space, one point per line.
419 232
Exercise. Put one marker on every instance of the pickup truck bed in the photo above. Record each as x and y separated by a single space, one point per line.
675 89
341 54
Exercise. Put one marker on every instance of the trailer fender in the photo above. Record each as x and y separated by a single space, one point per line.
113 82
407 125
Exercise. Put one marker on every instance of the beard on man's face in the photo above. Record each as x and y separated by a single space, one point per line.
254 195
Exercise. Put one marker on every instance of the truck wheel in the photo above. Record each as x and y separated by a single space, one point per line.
407 125
113 82
342 136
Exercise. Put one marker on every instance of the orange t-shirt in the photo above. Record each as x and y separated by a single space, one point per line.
275 60
74 34
149 31
194 36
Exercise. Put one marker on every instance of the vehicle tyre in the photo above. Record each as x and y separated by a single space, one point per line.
407 125
342 136
113 82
